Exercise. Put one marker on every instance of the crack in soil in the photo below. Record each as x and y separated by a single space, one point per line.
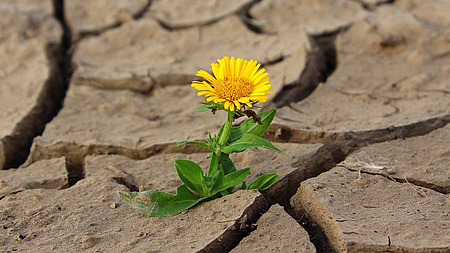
247 19
373 6
411 181
81 35
17 145
321 61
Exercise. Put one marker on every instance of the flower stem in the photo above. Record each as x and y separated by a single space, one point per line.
226 129
222 141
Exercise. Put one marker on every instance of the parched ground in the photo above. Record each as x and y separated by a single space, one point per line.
94 96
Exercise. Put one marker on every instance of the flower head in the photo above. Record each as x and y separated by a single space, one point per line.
235 82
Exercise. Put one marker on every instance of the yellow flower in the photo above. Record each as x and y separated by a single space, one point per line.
235 82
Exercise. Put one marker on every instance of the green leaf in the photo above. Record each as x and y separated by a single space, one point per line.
191 174
213 164
198 143
209 139
226 192
226 164
249 141
253 128
230 180
207 106
158 203
243 186
263 181
216 138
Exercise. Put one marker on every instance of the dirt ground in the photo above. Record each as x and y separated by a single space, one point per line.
95 96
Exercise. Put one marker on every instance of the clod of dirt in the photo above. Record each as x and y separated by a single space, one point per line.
177 14
45 174
81 218
92 17
96 121
319 17
422 160
370 213
120 58
409 83
276 231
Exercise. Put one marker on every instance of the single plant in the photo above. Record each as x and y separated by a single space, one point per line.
236 85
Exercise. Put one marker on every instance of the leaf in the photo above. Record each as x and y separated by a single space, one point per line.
209 139
198 143
243 186
263 181
191 174
158 203
206 106
230 180
226 164
219 134
253 128
213 164
249 141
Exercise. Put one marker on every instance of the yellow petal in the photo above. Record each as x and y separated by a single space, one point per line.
258 76
215 69
244 100
221 71
238 70
231 106
238 105
232 66
226 66
206 75
247 68
253 71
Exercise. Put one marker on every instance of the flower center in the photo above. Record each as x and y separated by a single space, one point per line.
233 88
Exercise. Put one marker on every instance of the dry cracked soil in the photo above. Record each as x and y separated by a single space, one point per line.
94 96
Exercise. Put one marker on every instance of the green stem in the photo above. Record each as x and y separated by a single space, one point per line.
226 130
222 141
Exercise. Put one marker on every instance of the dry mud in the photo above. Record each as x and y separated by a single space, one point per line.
96 94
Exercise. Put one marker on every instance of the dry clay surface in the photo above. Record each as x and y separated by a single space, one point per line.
95 95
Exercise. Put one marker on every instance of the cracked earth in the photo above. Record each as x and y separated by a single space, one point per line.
95 95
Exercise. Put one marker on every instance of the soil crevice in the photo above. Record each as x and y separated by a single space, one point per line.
17 146
320 63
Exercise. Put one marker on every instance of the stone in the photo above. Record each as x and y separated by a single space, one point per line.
361 212
276 231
